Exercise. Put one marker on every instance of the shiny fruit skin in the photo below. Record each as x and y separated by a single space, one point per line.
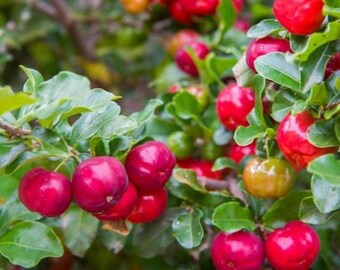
150 206
200 7
201 168
333 65
180 144
237 152
293 142
293 247
268 178
234 103
98 183
124 206
263 46
240 250
179 14
180 39
299 17
149 165
211 151
184 60
134 6
45 192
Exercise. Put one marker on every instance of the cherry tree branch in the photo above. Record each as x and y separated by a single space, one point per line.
13 131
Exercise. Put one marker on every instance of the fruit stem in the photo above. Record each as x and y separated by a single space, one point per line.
61 164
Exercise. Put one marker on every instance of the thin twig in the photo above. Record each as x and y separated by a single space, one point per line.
13 131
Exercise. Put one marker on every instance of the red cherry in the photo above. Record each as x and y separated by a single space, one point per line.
184 60
149 166
237 152
333 65
299 17
124 206
200 7
234 103
242 25
293 142
259 47
202 168
45 192
98 183
180 39
238 4
150 206
240 250
179 14
293 247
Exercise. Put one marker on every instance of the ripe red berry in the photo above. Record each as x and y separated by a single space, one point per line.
293 247
98 183
240 250
149 165
293 142
238 4
178 13
180 39
150 206
299 17
124 206
333 65
259 47
184 60
200 7
234 103
202 168
45 192
242 25
237 152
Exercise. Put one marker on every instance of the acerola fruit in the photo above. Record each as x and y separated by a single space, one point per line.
45 192
201 168
211 151
237 152
200 7
333 65
150 206
292 139
293 247
263 46
299 17
181 144
180 39
134 6
268 178
240 250
124 206
149 165
234 103
179 14
98 183
184 60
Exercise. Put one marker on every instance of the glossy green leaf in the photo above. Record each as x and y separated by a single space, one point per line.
34 80
28 242
9 153
148 112
221 66
326 196
111 240
186 105
246 135
264 28
232 217
11 101
309 213
283 104
187 228
8 186
276 67
327 167
322 133
318 95
224 163
79 229
227 14
285 209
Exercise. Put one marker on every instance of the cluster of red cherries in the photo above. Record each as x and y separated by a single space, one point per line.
104 187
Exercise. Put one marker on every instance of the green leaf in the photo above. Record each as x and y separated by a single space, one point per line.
285 209
188 177
148 112
318 39
34 79
326 196
223 163
14 211
160 128
327 167
186 105
283 104
8 186
275 67
11 101
309 213
232 217
259 86
243 74
28 242
187 228
79 230
9 153
322 133
227 14
221 66
318 95
264 28
246 135
111 240
153 238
